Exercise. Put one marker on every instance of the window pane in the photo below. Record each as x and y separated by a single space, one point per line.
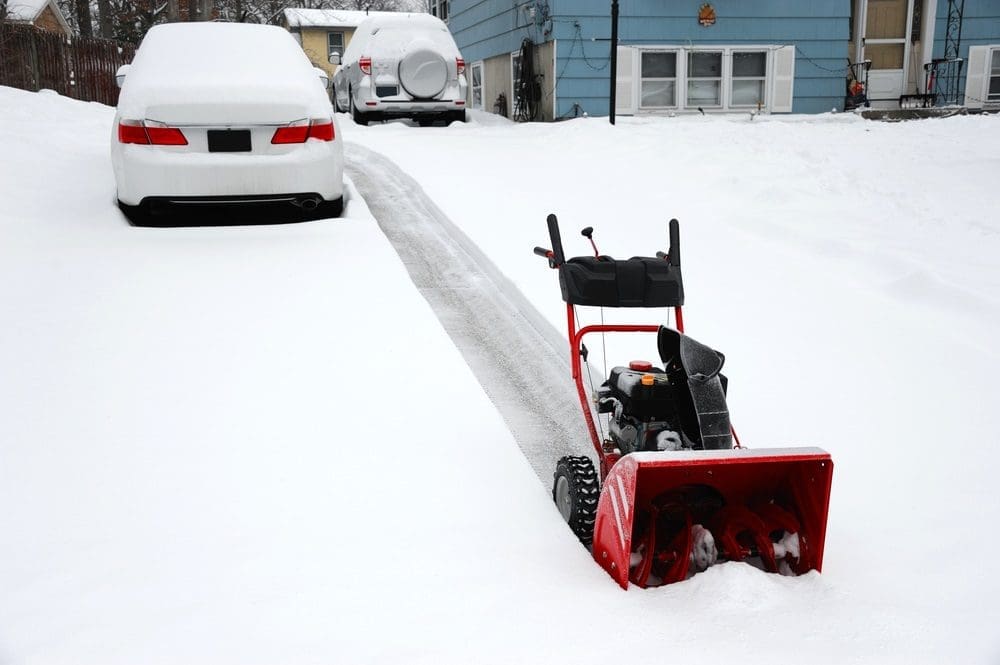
659 65
703 93
658 93
477 75
750 64
705 64
885 56
994 93
996 63
747 93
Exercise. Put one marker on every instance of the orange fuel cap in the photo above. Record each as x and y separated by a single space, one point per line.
647 379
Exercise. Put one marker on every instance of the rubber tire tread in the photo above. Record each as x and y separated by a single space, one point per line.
584 492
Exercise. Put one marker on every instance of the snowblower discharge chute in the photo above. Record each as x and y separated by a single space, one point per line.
675 496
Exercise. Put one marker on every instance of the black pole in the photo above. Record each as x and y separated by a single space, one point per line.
614 59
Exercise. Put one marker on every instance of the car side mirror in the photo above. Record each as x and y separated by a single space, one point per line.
323 76
334 58
121 73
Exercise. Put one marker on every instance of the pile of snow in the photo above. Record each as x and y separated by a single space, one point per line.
257 445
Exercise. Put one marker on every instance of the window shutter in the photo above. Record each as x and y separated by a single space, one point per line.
975 80
782 79
625 81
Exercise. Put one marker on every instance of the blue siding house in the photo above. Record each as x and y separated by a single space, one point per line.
550 59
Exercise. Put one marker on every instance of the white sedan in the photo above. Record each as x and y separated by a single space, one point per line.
217 121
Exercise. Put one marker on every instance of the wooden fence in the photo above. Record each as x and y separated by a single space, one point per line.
79 67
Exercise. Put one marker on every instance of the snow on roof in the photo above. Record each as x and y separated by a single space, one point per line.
329 18
25 10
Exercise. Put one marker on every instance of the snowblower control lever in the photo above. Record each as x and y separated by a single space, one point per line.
588 233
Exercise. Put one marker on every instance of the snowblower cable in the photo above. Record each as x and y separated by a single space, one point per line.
590 377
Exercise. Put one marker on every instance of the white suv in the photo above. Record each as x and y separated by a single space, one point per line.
404 66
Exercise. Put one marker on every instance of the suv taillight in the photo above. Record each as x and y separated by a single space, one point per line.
149 132
302 130
460 64
366 65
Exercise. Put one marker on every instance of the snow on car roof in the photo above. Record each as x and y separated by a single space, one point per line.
328 18
219 63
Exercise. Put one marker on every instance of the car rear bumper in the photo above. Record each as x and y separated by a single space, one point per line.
167 173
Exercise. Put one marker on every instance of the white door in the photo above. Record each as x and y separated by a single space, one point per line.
885 27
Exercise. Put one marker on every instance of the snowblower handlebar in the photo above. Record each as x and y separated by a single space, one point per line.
674 255
556 238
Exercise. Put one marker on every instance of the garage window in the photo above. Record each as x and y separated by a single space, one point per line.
334 43
993 94
439 8
658 79
477 85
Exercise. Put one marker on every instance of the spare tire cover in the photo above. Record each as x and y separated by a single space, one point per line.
423 72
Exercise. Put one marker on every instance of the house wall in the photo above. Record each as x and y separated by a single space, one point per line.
819 29
47 21
314 43
486 28
980 27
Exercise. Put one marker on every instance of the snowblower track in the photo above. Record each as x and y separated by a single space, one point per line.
515 354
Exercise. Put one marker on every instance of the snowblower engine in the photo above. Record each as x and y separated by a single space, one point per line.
680 407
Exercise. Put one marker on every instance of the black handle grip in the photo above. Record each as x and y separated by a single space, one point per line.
557 248
675 243
541 251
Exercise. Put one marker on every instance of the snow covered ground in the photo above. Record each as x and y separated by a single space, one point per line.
257 445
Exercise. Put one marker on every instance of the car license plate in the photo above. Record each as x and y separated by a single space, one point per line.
229 140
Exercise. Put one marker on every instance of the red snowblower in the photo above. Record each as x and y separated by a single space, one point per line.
677 491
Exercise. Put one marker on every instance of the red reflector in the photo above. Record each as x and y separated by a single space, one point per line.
460 64
293 134
640 365
459 102
132 133
166 136
371 103
321 129
365 64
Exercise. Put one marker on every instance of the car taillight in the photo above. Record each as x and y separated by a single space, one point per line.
132 131
302 130
366 65
460 64
294 132
149 132
321 128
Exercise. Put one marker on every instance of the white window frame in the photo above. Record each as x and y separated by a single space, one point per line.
343 42
733 78
515 56
995 100
439 8
726 78
478 65
678 54
721 78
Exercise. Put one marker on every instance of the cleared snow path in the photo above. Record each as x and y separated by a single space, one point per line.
517 356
